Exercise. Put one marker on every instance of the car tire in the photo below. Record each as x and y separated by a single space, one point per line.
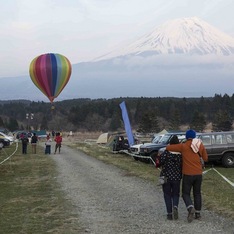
228 160
1 145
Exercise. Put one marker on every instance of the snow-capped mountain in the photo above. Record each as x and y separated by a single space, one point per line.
180 36
181 58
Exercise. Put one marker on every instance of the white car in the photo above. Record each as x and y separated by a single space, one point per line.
135 149
10 138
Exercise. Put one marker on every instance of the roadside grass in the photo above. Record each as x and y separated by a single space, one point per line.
30 197
218 195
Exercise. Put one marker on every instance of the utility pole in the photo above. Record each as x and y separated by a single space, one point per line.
29 117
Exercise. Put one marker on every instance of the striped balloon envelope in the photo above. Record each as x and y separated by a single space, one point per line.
50 73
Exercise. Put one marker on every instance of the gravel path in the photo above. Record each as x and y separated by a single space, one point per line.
107 200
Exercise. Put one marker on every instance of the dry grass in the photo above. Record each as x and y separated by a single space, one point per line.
31 199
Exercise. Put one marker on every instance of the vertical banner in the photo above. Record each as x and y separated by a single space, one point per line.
127 124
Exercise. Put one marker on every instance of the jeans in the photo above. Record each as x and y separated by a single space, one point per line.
34 145
192 182
171 192
24 149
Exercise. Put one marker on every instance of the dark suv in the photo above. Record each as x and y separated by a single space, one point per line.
151 149
219 146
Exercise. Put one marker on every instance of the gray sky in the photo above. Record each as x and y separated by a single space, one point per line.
85 29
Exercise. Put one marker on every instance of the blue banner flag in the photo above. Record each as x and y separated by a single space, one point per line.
127 124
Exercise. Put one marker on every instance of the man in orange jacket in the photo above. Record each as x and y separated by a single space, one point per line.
193 153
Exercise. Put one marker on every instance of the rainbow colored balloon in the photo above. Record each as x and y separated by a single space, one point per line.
50 73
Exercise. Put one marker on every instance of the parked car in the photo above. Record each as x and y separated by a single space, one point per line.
219 147
4 142
10 138
151 149
135 149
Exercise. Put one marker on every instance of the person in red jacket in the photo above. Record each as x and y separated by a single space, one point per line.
193 154
58 140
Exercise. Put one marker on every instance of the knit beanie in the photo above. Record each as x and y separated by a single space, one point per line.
190 134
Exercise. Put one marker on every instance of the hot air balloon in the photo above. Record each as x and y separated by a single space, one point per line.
50 73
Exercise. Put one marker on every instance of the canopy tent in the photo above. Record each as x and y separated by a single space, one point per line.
103 138
164 131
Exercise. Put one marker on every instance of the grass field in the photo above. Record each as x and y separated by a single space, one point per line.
33 202
31 199
218 195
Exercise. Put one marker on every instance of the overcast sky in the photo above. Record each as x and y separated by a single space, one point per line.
85 29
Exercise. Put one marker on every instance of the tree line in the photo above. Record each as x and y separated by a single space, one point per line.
147 115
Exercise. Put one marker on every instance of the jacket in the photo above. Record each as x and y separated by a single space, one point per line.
58 139
191 164
171 164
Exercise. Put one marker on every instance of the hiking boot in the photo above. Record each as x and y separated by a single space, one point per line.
197 216
175 213
191 212
169 217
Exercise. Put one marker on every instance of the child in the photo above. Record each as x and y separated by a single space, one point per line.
48 145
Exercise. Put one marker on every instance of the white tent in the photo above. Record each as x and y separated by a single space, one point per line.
164 131
103 138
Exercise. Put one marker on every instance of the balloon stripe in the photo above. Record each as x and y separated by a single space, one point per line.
66 73
43 66
49 72
38 74
59 77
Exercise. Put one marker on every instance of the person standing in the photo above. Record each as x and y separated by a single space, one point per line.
48 145
193 155
58 140
24 144
34 140
171 164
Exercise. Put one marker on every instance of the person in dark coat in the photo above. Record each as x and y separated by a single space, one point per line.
171 163
24 144
34 143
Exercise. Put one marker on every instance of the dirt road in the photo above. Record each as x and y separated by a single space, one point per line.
107 200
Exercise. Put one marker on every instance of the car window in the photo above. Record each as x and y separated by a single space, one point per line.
230 138
156 139
206 139
219 139
164 139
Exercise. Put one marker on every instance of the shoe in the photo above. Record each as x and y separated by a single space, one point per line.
197 216
191 212
175 213
169 217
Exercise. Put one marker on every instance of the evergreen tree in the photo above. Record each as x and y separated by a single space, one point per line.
115 122
148 123
198 121
222 121
175 119
12 124
1 122
44 124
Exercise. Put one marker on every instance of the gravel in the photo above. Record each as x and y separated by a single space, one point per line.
108 200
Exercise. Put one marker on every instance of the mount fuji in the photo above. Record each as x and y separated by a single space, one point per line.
181 58
191 36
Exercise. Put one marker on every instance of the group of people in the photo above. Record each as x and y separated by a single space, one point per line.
183 161
25 142
48 143
58 139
